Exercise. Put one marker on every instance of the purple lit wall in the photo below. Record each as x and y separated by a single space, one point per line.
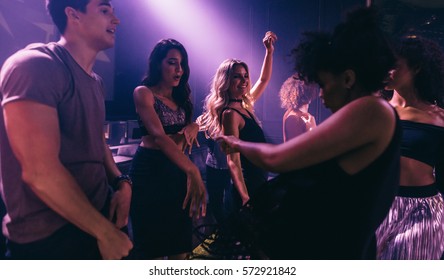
211 30
26 21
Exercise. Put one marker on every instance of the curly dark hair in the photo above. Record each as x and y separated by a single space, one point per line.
357 44
295 93
181 93
427 58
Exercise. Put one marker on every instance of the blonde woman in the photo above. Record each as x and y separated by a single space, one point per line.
229 110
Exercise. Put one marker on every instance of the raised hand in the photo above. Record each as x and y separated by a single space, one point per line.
269 39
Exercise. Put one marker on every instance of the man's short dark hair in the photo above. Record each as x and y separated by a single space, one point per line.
56 9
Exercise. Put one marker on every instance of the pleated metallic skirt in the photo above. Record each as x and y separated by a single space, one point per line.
414 227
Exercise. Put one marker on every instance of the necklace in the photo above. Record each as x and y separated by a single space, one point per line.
235 100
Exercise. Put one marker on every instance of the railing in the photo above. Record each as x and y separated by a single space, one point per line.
123 144
120 132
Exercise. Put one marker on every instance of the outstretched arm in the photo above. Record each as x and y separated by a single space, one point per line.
355 127
267 66
50 180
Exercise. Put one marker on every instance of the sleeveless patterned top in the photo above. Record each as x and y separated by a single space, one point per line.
172 120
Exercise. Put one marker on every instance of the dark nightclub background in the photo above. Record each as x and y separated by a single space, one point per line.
211 30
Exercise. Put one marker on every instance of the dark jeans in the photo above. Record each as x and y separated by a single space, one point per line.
219 194
67 243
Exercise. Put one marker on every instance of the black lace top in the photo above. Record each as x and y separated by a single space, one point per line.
172 120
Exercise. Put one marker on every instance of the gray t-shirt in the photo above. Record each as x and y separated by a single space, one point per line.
47 74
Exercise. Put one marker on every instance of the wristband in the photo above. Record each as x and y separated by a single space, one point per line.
121 178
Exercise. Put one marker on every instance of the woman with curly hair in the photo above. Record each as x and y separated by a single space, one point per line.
167 186
229 110
296 96
338 181
414 227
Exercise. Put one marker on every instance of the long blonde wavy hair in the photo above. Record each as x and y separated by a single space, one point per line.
218 98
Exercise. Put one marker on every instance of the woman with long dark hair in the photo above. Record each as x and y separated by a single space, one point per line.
167 186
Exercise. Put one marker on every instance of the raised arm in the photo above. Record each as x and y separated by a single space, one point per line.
196 194
267 66
48 178
354 132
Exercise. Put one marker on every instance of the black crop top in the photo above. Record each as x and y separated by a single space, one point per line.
422 142
172 121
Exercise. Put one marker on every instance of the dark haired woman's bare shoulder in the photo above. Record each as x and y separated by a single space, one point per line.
440 112
142 89
143 95
436 114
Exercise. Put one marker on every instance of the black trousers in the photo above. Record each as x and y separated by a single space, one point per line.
67 243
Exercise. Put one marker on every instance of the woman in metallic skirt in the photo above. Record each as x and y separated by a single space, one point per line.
414 227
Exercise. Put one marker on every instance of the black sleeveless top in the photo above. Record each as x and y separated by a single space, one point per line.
172 120
254 176
325 213
423 142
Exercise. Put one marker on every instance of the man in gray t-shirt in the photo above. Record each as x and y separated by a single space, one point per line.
55 164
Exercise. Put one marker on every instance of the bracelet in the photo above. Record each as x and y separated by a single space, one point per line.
122 178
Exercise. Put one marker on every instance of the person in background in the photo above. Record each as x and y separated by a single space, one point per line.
229 110
296 96
55 164
2 237
168 188
337 182
414 227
